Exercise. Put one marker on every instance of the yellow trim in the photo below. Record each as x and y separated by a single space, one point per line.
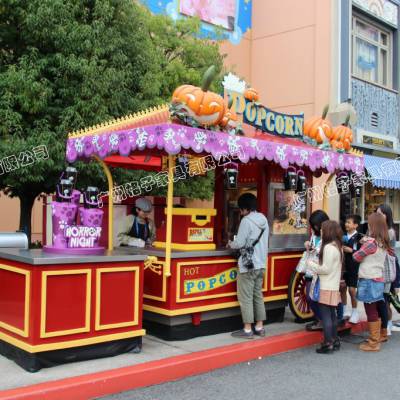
172 313
119 123
70 343
268 299
325 203
99 271
164 284
110 202
170 200
194 213
191 299
11 328
186 246
211 307
43 311
273 258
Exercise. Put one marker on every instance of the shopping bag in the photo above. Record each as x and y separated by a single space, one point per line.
315 288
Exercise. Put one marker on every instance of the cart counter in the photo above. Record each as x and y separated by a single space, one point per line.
52 303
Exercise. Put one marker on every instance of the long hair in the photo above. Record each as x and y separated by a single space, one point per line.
331 233
387 212
316 219
378 229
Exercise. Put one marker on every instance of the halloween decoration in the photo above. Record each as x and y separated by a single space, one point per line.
190 102
342 134
319 128
251 94
290 179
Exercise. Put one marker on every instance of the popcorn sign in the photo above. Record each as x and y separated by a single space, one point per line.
82 236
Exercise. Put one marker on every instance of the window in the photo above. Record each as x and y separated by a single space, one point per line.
372 53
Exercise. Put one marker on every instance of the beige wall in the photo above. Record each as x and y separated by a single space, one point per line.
9 211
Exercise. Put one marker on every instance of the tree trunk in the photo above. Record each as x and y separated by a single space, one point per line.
25 218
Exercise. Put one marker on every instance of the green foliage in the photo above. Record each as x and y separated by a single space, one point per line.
69 64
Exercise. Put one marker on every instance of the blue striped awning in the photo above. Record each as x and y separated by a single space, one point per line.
384 172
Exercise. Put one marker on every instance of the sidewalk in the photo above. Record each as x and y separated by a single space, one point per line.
158 362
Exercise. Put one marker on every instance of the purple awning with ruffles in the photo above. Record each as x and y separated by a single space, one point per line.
173 139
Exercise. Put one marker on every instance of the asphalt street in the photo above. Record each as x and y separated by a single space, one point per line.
298 375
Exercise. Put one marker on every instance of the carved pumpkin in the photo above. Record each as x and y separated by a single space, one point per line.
251 94
206 107
319 128
344 134
337 145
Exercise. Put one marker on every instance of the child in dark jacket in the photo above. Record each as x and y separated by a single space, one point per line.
351 244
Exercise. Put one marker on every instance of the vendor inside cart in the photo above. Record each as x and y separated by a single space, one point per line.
138 229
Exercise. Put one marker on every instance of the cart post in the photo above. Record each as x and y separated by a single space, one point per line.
110 201
170 198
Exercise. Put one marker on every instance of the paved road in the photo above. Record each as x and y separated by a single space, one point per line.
303 374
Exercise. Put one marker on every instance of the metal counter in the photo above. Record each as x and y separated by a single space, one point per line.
39 257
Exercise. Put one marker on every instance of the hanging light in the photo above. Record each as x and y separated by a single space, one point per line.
290 178
301 181
231 176
90 197
64 190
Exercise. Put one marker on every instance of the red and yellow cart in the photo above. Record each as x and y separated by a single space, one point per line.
184 285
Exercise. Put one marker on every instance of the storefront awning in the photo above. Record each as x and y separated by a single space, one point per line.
173 139
384 172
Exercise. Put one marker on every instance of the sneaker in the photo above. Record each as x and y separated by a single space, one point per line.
242 334
389 328
355 318
395 328
348 312
260 332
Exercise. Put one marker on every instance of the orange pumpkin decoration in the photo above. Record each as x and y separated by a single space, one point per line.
337 145
344 134
207 108
251 94
319 128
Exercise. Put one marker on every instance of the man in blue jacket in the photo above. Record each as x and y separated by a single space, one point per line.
253 228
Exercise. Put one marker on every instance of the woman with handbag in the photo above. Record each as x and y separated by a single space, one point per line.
313 247
371 257
325 285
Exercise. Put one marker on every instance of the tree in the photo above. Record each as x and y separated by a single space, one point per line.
69 64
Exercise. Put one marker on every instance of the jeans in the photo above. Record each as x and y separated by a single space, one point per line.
249 292
329 322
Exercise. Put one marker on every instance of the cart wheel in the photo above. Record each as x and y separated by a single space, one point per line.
297 297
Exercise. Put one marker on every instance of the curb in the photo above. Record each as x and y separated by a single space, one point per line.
155 372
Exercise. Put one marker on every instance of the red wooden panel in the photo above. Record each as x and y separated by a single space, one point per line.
283 268
153 283
117 294
12 298
66 297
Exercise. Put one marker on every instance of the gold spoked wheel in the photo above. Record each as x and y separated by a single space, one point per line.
297 297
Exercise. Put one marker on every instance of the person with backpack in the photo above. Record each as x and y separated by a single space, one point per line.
252 242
